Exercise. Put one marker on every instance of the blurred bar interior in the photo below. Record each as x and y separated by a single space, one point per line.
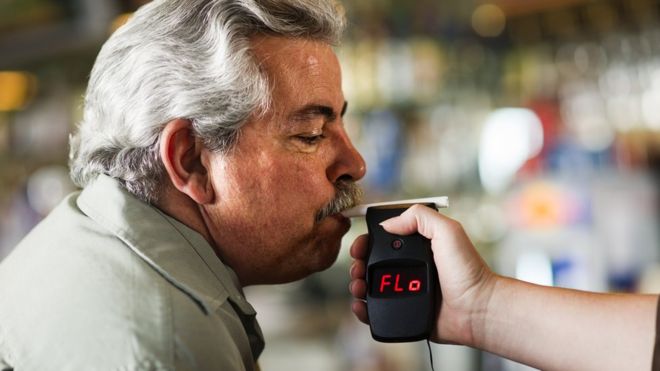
539 118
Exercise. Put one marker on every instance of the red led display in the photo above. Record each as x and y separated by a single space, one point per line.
398 281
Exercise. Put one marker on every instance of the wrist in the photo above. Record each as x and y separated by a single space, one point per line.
463 320
482 309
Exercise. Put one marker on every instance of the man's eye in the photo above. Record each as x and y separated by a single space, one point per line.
309 139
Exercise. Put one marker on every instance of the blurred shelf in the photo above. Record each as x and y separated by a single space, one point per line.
515 8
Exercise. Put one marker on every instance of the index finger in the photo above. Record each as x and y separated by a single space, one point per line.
359 247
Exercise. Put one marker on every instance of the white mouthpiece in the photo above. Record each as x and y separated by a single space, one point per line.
361 210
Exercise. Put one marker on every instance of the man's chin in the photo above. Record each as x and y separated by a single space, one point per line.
324 262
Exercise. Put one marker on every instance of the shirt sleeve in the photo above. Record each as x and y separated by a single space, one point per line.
656 349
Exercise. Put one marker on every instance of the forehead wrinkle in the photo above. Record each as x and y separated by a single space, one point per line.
299 61
312 64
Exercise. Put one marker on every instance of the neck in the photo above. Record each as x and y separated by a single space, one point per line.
185 210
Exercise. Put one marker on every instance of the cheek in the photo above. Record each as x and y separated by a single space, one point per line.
242 177
279 195
297 185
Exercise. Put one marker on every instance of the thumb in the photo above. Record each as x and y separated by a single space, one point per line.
417 218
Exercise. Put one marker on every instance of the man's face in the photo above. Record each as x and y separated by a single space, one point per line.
284 169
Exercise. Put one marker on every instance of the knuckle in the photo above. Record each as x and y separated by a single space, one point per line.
454 226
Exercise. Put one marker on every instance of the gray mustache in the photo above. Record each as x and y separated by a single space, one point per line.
349 194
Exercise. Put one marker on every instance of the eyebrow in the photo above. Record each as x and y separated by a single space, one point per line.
318 109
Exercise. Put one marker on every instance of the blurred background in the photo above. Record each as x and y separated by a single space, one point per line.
540 119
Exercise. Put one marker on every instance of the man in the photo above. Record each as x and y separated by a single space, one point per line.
212 156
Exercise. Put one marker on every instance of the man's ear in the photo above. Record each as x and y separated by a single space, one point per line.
181 154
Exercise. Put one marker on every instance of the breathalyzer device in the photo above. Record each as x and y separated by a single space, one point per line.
402 283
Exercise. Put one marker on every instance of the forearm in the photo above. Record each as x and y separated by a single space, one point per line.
560 329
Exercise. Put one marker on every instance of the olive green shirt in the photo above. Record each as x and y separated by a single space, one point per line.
107 282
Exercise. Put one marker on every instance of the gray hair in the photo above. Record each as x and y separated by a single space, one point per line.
182 59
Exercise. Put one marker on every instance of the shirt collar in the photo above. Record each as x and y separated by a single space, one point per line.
178 253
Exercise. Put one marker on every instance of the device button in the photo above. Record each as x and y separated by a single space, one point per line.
397 244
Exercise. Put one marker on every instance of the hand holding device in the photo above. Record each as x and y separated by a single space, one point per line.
464 277
401 276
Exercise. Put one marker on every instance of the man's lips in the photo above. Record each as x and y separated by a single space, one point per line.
338 216
341 219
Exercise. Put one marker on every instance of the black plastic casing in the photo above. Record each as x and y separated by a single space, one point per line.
405 318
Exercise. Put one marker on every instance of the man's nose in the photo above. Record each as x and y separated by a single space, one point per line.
349 162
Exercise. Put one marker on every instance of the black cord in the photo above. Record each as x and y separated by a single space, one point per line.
428 343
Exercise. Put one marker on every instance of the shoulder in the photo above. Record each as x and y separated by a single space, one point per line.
76 263
72 284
